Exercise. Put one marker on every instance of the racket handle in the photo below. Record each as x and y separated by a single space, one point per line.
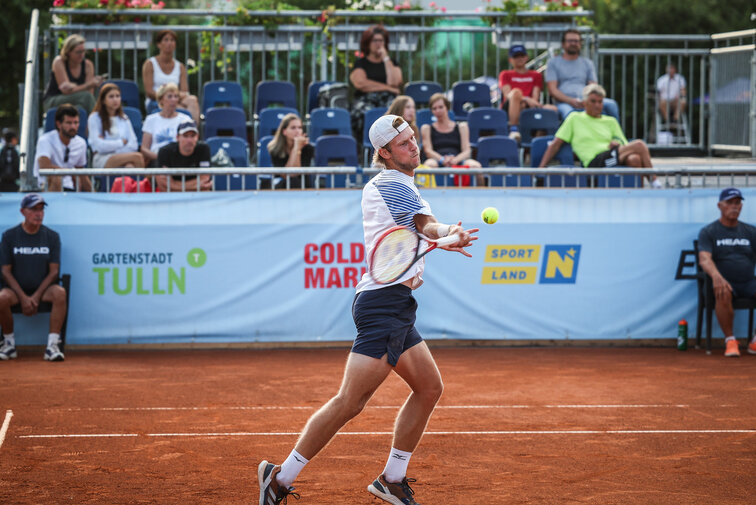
451 239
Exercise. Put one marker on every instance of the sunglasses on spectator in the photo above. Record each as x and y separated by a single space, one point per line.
65 155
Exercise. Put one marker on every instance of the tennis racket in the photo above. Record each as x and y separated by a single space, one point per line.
398 249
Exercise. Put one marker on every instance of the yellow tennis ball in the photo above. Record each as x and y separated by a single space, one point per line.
490 215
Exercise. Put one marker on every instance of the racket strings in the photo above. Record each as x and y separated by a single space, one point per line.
393 255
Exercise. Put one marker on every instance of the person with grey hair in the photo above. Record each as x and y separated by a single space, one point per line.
387 340
72 80
597 139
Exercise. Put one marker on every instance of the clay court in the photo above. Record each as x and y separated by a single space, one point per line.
515 425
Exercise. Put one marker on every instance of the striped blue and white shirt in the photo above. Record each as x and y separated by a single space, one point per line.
390 199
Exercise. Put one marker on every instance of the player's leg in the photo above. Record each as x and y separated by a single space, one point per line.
7 300
125 160
638 148
664 109
56 295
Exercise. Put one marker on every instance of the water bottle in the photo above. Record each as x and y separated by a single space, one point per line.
682 335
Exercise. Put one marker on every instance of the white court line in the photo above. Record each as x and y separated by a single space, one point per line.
438 407
387 433
6 423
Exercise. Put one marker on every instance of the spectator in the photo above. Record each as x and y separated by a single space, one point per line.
159 129
164 69
30 258
9 162
111 134
520 89
404 107
597 139
376 77
569 73
72 80
186 152
671 89
446 143
63 148
727 253
290 148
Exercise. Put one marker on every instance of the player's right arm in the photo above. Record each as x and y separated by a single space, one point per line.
427 225
720 284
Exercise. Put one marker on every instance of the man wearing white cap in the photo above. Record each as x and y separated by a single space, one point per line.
30 258
386 336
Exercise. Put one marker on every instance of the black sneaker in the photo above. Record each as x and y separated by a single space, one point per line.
271 492
397 493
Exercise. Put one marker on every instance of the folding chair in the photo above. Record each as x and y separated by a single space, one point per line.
498 150
329 121
225 122
238 152
275 93
564 156
532 120
83 117
486 121
135 116
706 303
468 95
421 91
129 92
371 115
222 94
336 150
270 118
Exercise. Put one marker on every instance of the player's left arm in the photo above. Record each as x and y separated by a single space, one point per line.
431 228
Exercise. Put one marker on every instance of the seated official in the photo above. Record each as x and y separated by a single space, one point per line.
30 258
290 148
62 148
597 139
186 152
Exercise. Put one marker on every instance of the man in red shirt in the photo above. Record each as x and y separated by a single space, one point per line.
520 88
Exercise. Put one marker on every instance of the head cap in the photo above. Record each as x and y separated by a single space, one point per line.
187 126
516 50
729 194
32 200
383 130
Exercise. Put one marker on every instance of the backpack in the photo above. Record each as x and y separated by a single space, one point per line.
9 163
334 95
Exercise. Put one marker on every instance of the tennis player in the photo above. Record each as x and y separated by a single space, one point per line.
386 336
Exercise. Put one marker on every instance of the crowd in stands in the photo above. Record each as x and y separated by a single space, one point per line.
113 133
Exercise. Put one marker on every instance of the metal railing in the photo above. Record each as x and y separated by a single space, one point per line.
29 107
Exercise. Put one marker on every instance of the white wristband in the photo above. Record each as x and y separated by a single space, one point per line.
385 59
443 230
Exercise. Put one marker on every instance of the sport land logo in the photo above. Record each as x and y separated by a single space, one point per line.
559 264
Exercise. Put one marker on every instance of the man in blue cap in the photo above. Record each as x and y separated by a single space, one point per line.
520 88
727 252
30 259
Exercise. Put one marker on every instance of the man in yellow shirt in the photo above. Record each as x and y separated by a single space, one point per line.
597 139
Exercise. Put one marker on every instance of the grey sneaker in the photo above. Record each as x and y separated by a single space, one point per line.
399 494
271 492
7 351
52 353
515 135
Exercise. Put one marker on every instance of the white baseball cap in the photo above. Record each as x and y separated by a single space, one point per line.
383 131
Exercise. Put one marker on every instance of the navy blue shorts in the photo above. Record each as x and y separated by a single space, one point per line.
744 289
385 320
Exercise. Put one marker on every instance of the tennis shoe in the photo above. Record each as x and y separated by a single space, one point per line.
397 493
731 349
53 353
752 346
271 492
7 351
515 135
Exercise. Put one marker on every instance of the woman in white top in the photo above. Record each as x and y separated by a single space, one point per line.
111 134
163 69
159 129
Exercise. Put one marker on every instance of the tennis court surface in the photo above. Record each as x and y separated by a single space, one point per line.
514 426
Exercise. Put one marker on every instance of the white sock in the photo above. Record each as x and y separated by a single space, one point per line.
729 338
53 338
290 469
10 338
396 466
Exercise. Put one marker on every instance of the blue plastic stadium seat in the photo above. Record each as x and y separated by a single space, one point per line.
421 91
275 94
532 120
129 92
312 94
486 121
329 121
425 116
498 150
225 122
135 116
222 94
237 151
336 150
271 117
83 118
468 95
371 115
564 156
